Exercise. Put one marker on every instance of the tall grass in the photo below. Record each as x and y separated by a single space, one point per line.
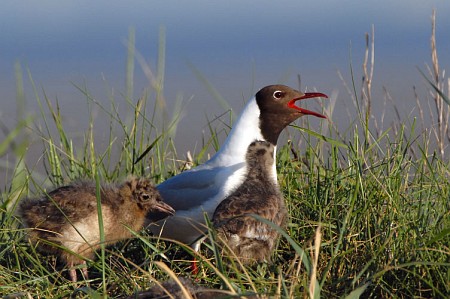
369 208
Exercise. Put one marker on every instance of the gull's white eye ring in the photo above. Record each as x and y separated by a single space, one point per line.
278 94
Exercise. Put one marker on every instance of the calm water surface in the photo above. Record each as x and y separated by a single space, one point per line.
239 46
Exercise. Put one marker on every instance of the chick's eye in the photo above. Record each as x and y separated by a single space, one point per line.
145 196
278 94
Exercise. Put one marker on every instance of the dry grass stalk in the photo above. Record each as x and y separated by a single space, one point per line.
366 89
368 70
313 280
443 112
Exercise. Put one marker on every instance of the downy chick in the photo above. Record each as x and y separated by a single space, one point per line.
251 240
65 221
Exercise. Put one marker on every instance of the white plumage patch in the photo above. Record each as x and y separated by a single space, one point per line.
85 232
257 232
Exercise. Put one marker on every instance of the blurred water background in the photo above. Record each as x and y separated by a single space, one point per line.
238 46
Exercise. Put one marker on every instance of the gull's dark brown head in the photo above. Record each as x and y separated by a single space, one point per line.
277 104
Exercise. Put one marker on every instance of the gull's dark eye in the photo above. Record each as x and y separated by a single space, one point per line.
278 94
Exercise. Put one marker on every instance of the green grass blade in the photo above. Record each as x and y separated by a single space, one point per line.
301 253
321 137
356 293
439 92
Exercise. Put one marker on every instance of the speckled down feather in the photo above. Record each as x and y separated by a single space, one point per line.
65 220
250 239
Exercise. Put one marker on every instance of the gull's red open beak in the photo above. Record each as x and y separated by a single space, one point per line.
307 95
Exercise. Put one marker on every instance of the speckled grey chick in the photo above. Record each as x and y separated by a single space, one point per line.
65 221
251 240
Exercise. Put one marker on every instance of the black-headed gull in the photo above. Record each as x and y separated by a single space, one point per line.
201 189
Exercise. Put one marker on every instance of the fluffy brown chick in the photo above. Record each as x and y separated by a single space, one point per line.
251 240
65 220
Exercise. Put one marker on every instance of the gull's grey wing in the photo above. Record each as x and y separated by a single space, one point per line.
193 188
